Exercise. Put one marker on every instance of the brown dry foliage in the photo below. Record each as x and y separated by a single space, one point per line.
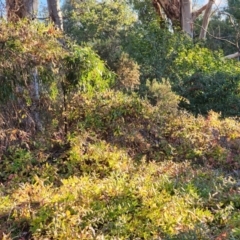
128 73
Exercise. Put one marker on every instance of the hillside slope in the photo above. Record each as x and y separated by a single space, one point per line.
127 170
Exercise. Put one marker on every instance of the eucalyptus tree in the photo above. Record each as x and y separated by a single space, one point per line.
224 30
55 13
21 9
29 8
181 13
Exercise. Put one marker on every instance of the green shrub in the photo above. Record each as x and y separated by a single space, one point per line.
86 71
128 74
128 169
17 165
161 95
99 158
207 82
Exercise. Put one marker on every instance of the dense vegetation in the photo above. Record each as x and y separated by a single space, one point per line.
129 131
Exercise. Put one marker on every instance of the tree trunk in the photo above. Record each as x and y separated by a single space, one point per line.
206 18
171 9
181 14
159 12
55 13
21 9
186 17
16 10
36 99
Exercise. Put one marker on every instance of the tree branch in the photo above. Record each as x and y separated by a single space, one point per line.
234 55
229 16
158 8
206 17
230 56
195 14
218 38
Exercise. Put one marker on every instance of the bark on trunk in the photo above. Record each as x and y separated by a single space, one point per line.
181 14
186 17
21 9
171 9
36 100
206 18
158 9
55 13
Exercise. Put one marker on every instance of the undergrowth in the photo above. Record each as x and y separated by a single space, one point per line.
128 170
102 163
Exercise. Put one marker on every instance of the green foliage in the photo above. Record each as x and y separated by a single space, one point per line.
220 26
207 82
25 47
40 70
98 20
99 24
145 10
233 8
161 95
154 49
127 168
159 53
17 164
37 46
97 158
86 71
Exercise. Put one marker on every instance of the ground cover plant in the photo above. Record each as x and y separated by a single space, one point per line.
128 170
94 149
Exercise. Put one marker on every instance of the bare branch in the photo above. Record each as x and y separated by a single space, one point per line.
234 55
195 14
218 38
230 56
230 18
158 8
